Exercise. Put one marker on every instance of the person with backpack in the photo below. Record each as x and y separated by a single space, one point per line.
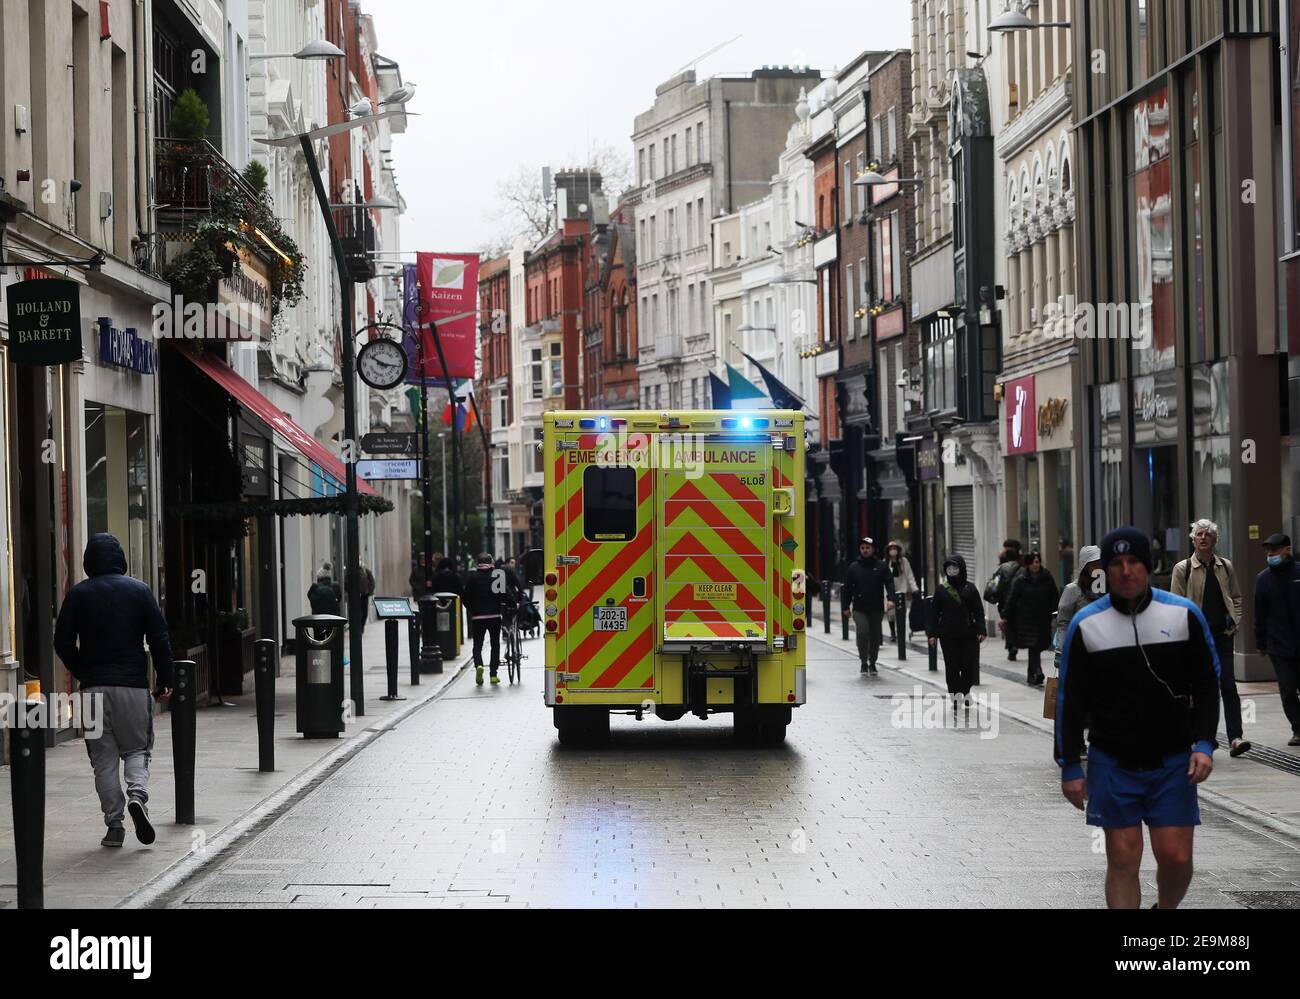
956 625
488 592
1033 598
999 588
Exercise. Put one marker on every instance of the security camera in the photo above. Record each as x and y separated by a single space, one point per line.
902 379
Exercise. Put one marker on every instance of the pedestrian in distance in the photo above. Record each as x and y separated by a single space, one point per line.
1010 565
957 626
367 591
1277 624
1140 674
446 578
904 584
1032 600
868 595
488 594
325 596
100 634
1209 581
1078 594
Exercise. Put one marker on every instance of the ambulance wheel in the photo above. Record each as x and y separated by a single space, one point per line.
762 725
582 728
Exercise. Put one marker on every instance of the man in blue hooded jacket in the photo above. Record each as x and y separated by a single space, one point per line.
100 635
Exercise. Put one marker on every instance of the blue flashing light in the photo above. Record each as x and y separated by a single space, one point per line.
604 423
746 423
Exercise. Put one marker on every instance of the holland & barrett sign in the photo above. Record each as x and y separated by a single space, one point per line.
44 322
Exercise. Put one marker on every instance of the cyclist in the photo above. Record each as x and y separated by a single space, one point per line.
488 592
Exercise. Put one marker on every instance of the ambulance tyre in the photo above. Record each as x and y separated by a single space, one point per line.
762 725
582 727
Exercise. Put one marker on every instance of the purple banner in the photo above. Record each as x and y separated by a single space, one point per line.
411 321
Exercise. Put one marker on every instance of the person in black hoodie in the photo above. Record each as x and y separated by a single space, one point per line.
1277 624
488 591
1029 610
100 635
956 625
868 595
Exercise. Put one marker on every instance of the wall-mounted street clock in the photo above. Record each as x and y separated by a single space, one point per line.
382 364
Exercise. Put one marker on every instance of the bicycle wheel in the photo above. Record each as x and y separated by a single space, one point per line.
512 654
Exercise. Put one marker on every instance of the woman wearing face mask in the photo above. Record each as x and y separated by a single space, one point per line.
1078 594
904 582
956 625
1029 613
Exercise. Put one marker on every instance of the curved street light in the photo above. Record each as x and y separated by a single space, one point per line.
1017 20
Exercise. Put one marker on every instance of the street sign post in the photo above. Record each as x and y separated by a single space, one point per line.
391 470
389 443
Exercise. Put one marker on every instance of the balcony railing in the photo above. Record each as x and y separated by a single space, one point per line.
190 173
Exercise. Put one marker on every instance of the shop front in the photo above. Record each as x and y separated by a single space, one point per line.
1038 436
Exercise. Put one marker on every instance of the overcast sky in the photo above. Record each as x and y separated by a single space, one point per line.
505 82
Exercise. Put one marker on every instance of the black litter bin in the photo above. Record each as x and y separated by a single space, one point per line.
442 612
320 685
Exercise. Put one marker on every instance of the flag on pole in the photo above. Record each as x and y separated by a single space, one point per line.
742 389
448 296
782 396
721 392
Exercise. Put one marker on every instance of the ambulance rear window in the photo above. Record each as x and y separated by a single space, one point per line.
609 504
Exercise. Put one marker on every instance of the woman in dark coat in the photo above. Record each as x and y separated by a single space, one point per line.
956 625
1033 599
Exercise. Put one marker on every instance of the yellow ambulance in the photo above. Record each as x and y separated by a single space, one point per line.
674 569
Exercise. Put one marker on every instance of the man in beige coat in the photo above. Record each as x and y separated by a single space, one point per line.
1208 580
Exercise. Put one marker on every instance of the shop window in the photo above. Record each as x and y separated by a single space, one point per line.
118 483
1151 215
1212 449
1107 459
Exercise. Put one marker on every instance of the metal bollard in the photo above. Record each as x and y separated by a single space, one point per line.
184 708
900 623
430 648
27 789
413 639
844 621
826 605
264 676
392 640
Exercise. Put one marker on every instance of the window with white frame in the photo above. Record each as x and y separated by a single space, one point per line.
535 375
893 135
850 302
689 150
848 191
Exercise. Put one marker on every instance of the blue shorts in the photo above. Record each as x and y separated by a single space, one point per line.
1123 799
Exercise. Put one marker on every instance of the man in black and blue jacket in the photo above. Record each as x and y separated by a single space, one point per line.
1140 672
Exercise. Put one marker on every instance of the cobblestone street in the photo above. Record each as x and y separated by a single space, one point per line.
471 802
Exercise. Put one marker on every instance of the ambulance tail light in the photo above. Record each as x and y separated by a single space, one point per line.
552 627
552 579
798 624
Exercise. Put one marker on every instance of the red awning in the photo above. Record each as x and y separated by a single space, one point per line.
248 397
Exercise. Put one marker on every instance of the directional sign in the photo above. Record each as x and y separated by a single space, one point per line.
389 443
398 470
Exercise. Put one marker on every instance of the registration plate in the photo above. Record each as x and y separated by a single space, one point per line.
610 618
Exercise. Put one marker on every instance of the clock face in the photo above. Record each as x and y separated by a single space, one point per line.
382 364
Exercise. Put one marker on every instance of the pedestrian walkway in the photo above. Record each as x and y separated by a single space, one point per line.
228 785
1263 786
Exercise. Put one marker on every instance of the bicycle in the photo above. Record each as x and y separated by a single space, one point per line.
514 652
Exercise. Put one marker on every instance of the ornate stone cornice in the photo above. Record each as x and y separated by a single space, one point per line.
1050 106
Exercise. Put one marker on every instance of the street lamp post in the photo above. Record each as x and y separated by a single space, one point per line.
351 496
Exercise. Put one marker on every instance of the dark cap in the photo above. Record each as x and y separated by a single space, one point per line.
1277 541
867 541
1126 541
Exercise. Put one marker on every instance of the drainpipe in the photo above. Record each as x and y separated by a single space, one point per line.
726 111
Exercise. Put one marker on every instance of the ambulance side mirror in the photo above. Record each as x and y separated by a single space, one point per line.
533 568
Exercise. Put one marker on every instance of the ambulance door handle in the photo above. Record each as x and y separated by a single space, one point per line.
638 587
783 502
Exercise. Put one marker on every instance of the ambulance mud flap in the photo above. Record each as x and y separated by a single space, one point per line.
698 675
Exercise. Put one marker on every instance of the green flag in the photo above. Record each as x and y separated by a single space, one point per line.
742 389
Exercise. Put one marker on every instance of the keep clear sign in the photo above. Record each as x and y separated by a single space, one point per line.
44 322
